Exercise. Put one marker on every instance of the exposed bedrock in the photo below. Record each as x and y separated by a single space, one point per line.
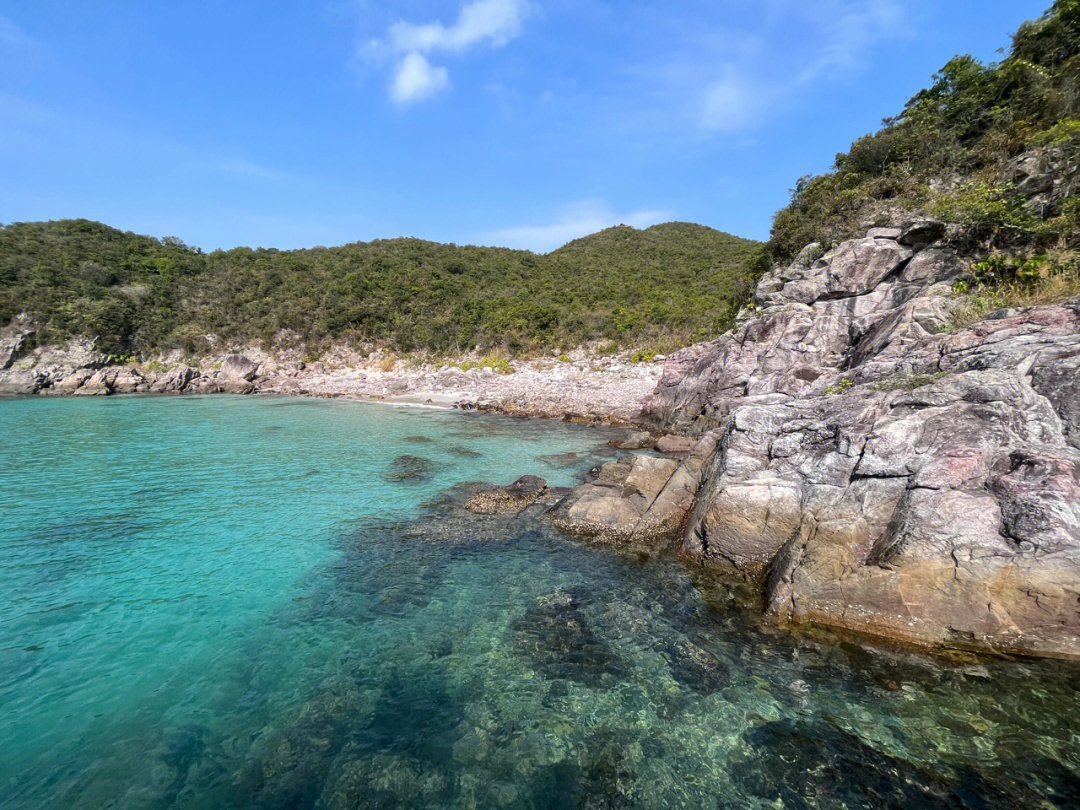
868 466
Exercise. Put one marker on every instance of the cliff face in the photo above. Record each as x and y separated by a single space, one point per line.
877 471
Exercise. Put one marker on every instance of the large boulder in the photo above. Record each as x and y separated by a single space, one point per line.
644 500
174 381
15 382
238 367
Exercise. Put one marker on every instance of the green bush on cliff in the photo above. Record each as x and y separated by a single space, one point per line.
948 152
138 294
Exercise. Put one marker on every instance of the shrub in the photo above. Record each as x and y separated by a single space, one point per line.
839 387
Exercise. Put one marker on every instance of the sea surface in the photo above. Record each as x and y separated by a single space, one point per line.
256 602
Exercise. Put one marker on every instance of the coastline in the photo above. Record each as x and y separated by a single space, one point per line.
576 387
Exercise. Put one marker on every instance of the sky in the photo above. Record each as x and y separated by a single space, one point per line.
523 123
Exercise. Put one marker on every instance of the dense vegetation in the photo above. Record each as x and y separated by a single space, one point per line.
137 294
953 152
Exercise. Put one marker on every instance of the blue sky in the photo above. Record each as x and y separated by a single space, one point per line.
514 122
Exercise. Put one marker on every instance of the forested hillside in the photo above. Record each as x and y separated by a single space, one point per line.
138 294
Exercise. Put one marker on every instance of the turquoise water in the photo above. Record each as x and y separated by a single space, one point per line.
270 602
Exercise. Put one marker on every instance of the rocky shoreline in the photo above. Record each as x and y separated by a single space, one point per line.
574 387
865 464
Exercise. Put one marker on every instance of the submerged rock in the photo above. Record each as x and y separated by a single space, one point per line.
607 779
410 469
800 765
286 767
696 668
560 460
555 639
513 498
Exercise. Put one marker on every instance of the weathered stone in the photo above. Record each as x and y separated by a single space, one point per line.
920 232
675 444
238 367
639 440
15 339
72 381
875 474
128 381
14 382
174 381
99 384
513 498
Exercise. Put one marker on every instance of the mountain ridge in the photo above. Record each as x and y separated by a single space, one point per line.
135 294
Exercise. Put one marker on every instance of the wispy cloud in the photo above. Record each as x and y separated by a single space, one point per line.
849 31
742 88
482 22
575 220
13 37
735 101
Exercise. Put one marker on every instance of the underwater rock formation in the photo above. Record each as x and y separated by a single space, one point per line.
555 639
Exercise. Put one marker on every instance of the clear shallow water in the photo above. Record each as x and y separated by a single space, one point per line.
253 602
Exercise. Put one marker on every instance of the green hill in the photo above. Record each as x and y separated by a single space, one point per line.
981 146
136 294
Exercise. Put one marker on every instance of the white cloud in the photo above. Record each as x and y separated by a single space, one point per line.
415 79
734 102
497 21
576 220
490 22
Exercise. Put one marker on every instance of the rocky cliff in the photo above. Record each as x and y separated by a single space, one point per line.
871 467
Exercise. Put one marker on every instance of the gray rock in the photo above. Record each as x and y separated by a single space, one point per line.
174 381
15 340
872 473
14 382
639 440
237 367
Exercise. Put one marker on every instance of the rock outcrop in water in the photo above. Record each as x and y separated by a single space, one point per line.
509 499
870 467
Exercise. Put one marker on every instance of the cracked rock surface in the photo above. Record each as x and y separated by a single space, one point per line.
868 467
